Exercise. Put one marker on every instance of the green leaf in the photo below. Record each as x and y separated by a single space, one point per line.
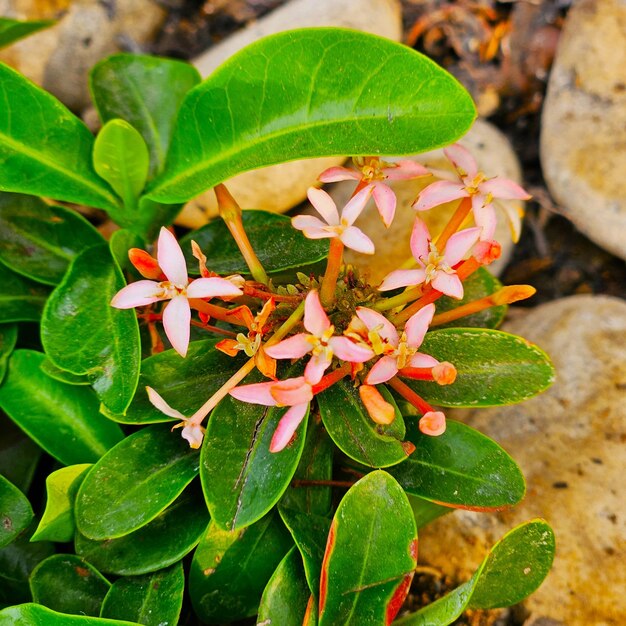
479 285
145 91
19 454
68 584
45 149
134 482
165 540
57 522
37 615
370 556
494 368
461 468
38 240
83 334
15 512
62 419
8 339
63 376
154 599
231 568
21 299
242 480
185 383
120 156
121 242
12 30
301 94
277 244
514 568
354 432
425 511
286 595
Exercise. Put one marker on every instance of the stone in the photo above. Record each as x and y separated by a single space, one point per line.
281 187
59 58
584 122
569 443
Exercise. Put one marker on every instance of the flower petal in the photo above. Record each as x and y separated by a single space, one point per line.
355 239
385 200
402 278
462 160
386 367
292 391
171 258
346 350
145 264
141 293
212 288
433 423
355 205
257 393
417 325
378 322
287 426
439 193
504 189
291 348
315 319
159 402
194 434
312 227
450 284
485 218
335 174
377 407
316 367
405 170
176 318
459 245
423 360
514 213
324 205
420 240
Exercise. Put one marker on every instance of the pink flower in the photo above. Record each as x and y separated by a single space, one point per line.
334 226
320 341
434 267
177 312
470 183
397 351
373 171
296 393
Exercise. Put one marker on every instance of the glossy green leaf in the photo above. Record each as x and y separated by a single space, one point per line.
461 468
57 522
164 541
134 482
62 419
45 149
63 376
68 584
145 91
19 454
37 615
154 599
513 569
15 512
21 299
354 432
82 333
242 480
39 240
278 245
480 284
286 595
12 30
231 568
370 556
120 156
121 242
425 511
239 119
494 368
185 383
8 339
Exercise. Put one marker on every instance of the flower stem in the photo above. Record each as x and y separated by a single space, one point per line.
430 295
332 378
329 282
216 312
407 296
408 394
454 223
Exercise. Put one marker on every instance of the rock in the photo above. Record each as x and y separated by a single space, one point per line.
584 122
495 157
280 187
59 58
569 442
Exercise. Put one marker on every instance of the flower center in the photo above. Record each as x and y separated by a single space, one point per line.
248 343
435 262
320 344
170 290
472 187
404 352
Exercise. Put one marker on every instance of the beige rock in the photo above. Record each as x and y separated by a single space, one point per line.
569 443
280 187
583 140
59 58
495 157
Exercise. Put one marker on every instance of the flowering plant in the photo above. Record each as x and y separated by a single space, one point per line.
288 373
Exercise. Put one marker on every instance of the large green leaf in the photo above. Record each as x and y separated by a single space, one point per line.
39 240
370 556
277 244
44 149
62 419
19 454
354 432
242 480
153 600
231 568
513 569
12 30
82 333
21 299
425 511
461 468
37 615
15 512
8 339
309 93
165 540
494 368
